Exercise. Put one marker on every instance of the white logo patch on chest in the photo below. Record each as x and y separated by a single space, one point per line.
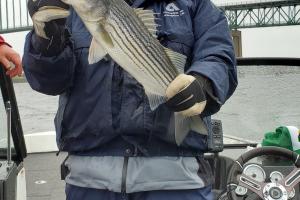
172 10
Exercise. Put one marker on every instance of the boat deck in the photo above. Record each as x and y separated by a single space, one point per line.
43 177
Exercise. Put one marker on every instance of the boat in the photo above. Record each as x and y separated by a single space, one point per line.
268 96
242 168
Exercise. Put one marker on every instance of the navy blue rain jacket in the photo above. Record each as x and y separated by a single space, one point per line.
104 111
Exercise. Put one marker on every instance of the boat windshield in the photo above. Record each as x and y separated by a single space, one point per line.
267 97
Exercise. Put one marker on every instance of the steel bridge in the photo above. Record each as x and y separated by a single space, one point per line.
262 13
14 14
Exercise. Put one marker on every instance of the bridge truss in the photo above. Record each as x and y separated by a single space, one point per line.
14 14
262 14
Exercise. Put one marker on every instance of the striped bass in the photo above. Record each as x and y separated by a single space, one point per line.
128 36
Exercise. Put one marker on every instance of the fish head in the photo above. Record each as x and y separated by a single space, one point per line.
90 10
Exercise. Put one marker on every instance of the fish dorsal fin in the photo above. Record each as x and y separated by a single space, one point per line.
96 52
177 59
148 18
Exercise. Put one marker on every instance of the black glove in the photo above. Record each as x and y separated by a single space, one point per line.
49 21
187 95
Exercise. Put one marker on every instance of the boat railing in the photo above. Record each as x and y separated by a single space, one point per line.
14 16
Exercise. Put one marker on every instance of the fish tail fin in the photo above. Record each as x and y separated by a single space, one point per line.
184 124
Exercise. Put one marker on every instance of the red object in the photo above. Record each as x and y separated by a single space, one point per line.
2 41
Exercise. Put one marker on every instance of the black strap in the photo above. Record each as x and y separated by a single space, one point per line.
64 170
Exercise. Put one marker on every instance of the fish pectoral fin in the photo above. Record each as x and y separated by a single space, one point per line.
96 52
148 18
178 60
183 125
155 100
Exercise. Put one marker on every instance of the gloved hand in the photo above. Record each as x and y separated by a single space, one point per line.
186 94
49 19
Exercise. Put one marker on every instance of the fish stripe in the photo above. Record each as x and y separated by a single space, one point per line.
157 57
154 48
132 56
158 70
127 51
140 56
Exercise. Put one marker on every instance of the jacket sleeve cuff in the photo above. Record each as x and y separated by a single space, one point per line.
216 74
50 47
214 84
48 74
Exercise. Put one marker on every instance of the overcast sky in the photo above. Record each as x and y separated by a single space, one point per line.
257 42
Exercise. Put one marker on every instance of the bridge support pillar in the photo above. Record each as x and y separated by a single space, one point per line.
237 41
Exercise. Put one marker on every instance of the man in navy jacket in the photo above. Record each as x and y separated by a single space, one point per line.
117 146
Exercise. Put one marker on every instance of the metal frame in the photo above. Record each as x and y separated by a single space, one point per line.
241 15
18 12
262 14
19 152
268 61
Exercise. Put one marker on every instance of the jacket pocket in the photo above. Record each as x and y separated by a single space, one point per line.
88 111
134 101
